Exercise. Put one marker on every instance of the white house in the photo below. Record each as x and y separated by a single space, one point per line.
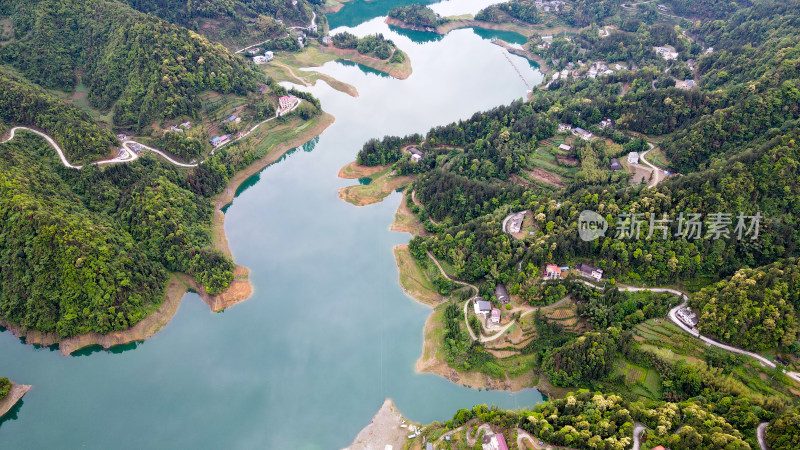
590 272
269 56
564 147
633 158
666 52
482 307
584 134
287 102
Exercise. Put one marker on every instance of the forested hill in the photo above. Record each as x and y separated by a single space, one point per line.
233 21
91 250
65 269
734 139
144 68
22 102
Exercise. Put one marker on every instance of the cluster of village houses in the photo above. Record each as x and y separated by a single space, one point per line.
261 59
601 68
492 314
548 6
606 123
285 103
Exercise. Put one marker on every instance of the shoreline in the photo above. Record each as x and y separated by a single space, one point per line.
435 364
13 397
385 429
429 360
401 73
239 290
378 188
523 30
530 56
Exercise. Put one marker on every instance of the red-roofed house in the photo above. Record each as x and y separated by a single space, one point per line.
552 272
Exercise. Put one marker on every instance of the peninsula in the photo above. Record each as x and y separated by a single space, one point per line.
10 394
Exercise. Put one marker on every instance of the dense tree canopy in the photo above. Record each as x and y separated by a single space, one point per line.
141 67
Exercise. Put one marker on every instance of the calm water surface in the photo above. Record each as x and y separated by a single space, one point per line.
328 334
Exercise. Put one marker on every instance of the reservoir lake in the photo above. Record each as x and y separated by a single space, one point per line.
328 333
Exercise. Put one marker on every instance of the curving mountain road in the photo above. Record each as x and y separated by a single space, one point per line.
130 155
694 332
49 141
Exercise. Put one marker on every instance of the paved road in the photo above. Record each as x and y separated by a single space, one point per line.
313 19
466 307
694 332
762 428
126 145
657 172
638 428
49 141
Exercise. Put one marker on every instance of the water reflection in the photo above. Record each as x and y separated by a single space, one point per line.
116 349
419 37
363 68
12 414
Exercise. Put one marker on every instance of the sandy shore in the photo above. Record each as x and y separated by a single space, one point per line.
14 395
238 291
384 429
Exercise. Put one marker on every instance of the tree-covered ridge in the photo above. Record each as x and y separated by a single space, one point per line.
522 10
589 357
66 269
756 308
142 67
595 420
706 9
372 45
24 103
784 432
234 13
417 15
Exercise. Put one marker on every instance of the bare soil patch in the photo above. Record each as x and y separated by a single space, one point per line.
568 161
376 191
352 171
547 177
384 429
405 221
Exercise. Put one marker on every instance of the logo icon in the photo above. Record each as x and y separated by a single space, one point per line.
591 225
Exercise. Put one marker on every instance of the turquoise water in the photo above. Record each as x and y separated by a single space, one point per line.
328 333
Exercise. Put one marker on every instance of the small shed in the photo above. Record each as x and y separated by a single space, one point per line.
416 154
501 293
565 147
615 165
